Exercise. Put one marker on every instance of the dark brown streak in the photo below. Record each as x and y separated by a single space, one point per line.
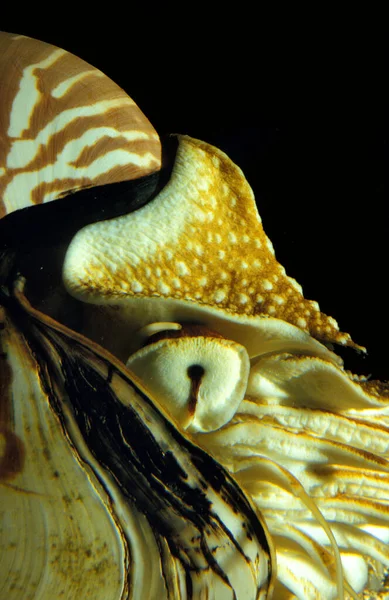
214 565
195 374
13 458
12 461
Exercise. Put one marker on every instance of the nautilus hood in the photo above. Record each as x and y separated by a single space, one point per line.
197 248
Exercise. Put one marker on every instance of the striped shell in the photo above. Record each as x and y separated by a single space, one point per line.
64 125
195 437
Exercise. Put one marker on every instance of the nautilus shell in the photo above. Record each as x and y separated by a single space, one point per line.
174 420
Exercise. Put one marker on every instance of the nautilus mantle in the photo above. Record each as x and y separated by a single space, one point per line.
174 420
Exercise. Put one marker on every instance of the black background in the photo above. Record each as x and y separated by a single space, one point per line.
301 105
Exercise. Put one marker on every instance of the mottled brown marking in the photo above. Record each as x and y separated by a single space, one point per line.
12 461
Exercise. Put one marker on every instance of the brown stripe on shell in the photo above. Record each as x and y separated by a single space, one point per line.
60 187
92 153
63 187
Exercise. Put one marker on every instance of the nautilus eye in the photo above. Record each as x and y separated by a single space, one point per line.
198 376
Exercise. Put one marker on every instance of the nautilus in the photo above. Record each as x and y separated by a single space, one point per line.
174 420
